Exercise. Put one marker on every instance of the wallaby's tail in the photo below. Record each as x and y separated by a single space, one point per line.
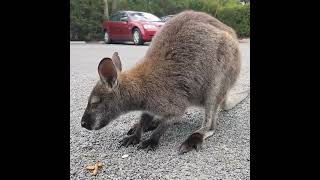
232 100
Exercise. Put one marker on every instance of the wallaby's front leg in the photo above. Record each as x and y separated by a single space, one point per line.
153 141
149 123
134 134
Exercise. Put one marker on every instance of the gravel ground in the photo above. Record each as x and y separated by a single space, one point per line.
225 155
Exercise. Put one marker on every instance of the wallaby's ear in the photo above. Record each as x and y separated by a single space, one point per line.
107 72
116 60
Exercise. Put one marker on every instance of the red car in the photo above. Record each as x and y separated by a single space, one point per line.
138 27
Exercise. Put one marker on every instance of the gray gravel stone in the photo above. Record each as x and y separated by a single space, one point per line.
225 155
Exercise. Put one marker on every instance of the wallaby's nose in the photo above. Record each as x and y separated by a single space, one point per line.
85 125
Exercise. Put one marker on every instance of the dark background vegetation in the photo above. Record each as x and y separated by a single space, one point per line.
86 16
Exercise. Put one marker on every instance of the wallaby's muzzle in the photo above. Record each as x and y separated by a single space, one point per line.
85 122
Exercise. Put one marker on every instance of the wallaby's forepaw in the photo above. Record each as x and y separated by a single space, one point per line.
193 142
152 127
132 130
130 140
150 144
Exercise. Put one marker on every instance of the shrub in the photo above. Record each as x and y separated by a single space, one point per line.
86 18
238 18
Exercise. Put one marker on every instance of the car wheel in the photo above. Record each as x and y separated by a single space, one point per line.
137 38
107 39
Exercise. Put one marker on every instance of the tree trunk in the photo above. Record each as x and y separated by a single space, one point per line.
106 10
217 9
126 5
114 6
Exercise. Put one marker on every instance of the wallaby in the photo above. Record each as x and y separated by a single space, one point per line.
193 60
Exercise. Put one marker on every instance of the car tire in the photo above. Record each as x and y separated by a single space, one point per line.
137 37
107 38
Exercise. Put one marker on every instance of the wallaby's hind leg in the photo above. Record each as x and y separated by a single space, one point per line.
231 101
195 140
150 123
146 123
215 96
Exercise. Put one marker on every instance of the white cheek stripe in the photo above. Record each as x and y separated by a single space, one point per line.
94 99
97 121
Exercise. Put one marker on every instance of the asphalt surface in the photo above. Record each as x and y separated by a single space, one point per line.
225 155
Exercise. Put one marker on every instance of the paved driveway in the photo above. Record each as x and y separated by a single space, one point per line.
226 155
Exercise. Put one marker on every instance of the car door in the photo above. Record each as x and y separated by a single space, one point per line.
124 30
112 26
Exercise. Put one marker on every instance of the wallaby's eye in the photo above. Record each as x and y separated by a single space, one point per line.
95 100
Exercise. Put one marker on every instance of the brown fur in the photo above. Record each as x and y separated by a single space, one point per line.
193 60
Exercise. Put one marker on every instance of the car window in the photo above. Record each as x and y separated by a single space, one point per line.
144 16
115 17
123 15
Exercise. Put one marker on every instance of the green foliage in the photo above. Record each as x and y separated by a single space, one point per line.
238 18
207 6
86 16
156 7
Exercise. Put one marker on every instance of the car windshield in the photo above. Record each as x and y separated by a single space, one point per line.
140 16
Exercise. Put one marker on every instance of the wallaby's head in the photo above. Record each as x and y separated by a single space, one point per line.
103 103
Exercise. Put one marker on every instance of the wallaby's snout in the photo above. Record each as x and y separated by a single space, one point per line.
95 118
85 125
92 123
86 122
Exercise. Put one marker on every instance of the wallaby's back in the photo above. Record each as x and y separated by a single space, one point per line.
191 53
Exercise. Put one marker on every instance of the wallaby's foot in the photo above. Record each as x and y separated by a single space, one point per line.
149 144
130 140
193 142
148 123
132 130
